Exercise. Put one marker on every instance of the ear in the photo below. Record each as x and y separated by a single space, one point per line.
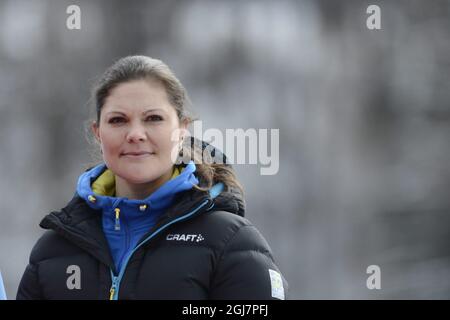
95 130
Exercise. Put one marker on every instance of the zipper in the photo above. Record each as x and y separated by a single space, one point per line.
114 290
117 214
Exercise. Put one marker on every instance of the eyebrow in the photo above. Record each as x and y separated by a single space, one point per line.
145 112
151 110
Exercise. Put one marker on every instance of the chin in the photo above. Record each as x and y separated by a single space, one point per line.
139 173
137 176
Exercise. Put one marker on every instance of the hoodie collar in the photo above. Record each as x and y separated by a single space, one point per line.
101 179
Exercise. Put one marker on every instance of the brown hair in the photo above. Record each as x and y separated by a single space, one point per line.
143 67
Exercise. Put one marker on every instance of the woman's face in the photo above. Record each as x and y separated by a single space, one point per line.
135 131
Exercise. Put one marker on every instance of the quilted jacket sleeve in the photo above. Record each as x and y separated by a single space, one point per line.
246 269
29 285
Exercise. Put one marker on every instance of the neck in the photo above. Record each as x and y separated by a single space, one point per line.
139 191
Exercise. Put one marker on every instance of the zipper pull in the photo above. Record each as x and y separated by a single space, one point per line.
112 291
117 225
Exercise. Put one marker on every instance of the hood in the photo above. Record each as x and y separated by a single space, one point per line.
231 199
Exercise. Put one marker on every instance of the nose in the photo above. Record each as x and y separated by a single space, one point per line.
136 133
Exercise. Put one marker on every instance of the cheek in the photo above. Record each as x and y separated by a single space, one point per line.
165 135
110 141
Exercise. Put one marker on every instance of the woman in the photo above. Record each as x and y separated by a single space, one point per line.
142 225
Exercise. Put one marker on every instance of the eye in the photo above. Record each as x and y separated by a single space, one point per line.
116 120
154 118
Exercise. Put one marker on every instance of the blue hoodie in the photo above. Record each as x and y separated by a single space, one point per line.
2 289
126 221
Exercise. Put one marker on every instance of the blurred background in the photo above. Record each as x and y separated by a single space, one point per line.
364 122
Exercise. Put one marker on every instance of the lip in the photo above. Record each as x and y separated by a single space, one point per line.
140 154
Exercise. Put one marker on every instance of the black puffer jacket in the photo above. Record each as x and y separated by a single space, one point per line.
201 248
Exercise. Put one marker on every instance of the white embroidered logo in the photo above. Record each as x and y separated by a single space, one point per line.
185 237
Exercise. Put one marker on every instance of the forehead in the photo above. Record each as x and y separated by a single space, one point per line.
138 95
